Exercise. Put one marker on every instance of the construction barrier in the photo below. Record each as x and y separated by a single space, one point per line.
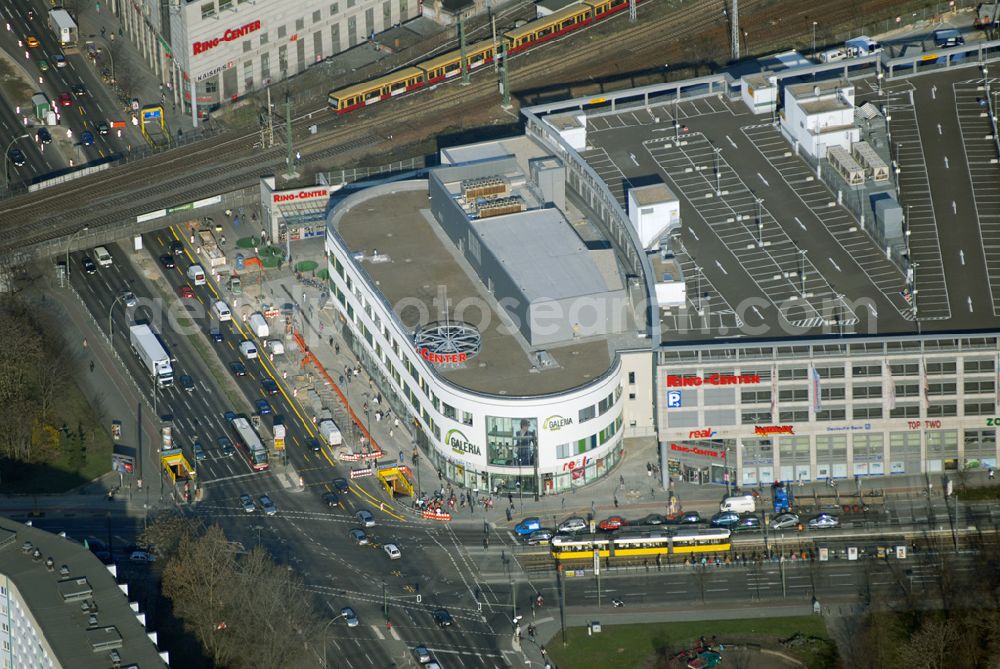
430 515
358 473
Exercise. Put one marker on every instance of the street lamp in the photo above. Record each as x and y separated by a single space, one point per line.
815 23
6 158
70 241
323 634
117 300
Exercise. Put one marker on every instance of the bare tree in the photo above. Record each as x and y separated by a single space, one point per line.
930 647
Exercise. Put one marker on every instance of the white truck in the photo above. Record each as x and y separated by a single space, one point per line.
329 430
147 346
64 27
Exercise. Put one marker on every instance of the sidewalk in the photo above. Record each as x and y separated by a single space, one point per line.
118 401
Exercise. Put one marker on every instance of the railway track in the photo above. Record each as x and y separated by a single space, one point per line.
229 161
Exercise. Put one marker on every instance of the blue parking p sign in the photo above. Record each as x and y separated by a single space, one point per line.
673 399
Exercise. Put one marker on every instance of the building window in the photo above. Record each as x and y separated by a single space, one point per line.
631 378
248 74
980 408
794 395
940 367
265 66
866 370
334 8
792 374
949 388
755 417
631 396
606 404
906 411
300 24
316 16
449 411
977 387
282 32
208 10
830 372
832 414
866 392
832 393
246 46
403 11
586 414
225 5
977 366
351 3
283 58
907 390
867 412
905 369
263 38
512 441
939 410
466 418
787 417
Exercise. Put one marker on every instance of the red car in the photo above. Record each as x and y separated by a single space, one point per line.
611 524
65 100
186 292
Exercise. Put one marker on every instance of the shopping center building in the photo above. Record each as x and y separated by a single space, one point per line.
619 271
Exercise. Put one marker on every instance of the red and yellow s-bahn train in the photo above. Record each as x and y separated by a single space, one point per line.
448 65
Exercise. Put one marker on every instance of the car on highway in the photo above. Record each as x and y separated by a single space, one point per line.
747 523
423 655
89 266
216 334
65 100
128 297
103 128
186 292
60 60
269 386
527 526
79 90
263 406
392 550
226 446
32 41
573 525
265 503
187 383
359 536
16 156
542 536
823 521
43 136
177 247
442 618
167 261
724 519
365 517
341 486
87 138
785 521
247 502
653 519
688 518
43 65
350 617
331 499
612 523
238 368
199 452
314 445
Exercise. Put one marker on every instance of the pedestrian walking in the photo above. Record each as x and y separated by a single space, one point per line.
621 480
395 422
563 503
616 501
991 473
91 366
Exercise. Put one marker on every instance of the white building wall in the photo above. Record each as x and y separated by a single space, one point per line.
22 644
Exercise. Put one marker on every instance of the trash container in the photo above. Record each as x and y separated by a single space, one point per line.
239 262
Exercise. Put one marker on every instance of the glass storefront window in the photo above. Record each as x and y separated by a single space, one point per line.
513 442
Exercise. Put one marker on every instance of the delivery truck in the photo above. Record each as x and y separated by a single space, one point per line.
154 357
64 27
329 430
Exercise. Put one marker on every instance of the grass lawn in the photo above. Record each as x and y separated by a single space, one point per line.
979 494
69 470
633 645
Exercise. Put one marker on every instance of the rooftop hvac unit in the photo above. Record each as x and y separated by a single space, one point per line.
472 189
500 206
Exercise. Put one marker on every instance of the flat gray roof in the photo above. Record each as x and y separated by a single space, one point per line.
418 262
543 255
55 600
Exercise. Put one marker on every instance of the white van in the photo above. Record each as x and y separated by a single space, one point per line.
275 346
103 257
221 310
739 504
248 349
197 275
259 325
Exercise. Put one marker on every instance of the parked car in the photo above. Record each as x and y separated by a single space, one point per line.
442 618
542 536
365 517
747 523
392 550
823 521
653 519
199 452
724 519
611 523
226 446
527 526
688 518
573 525
359 536
350 617
269 508
785 521
331 499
